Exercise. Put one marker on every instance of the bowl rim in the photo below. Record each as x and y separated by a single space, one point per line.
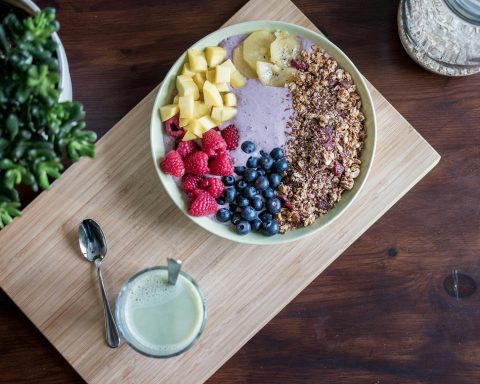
367 108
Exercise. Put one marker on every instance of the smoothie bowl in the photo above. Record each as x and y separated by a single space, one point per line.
263 132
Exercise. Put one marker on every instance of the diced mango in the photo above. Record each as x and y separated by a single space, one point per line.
186 105
211 95
175 99
206 123
222 87
189 136
168 111
202 109
183 122
196 60
222 74
194 127
216 115
229 65
230 99
228 113
210 75
186 71
186 86
237 80
199 79
214 55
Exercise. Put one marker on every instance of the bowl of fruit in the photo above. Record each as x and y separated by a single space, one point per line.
263 132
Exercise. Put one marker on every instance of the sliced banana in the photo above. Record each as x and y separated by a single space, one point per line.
256 47
285 48
273 75
241 64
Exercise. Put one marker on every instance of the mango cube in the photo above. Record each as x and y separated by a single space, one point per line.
222 87
196 60
195 128
210 75
186 86
216 115
228 113
175 99
211 95
228 64
222 74
186 71
230 100
186 105
189 136
237 80
168 111
214 55
206 123
202 109
199 78
183 122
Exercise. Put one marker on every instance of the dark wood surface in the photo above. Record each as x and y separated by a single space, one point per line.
381 313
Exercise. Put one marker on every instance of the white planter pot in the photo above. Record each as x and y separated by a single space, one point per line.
65 83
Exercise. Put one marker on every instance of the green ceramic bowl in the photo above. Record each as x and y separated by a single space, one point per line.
165 95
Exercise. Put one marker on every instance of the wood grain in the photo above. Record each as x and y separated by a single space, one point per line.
381 293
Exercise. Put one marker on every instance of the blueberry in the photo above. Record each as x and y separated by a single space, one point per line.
220 200
256 224
241 184
266 162
250 175
257 203
280 166
248 213
273 205
252 162
271 227
242 201
276 153
228 180
223 215
230 194
248 146
275 180
261 183
242 227
261 172
265 216
233 207
263 153
239 170
268 193
236 217
249 192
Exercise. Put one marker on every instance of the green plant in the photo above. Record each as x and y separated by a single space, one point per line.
36 130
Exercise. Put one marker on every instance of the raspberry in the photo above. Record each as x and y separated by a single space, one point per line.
213 143
172 164
215 187
197 163
338 168
172 126
203 204
204 183
186 148
221 165
190 182
231 136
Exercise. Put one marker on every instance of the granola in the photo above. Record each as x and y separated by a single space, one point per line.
325 137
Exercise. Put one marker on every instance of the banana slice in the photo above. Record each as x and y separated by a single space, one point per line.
241 64
273 75
256 47
284 49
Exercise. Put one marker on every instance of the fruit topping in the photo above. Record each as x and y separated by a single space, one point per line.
248 146
203 204
213 144
172 164
243 227
231 136
221 165
223 215
190 182
186 148
172 127
197 163
215 187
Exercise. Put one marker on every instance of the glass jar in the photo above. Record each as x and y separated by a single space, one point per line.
443 36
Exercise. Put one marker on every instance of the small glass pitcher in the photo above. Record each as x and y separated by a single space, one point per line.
443 36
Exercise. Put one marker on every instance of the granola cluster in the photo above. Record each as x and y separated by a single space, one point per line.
324 140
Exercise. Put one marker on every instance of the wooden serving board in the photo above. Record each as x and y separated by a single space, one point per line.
42 270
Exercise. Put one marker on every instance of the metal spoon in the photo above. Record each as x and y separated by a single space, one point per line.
173 269
94 247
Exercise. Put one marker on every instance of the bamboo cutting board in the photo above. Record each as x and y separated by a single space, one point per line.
42 270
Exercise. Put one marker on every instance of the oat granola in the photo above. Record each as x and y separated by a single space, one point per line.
325 139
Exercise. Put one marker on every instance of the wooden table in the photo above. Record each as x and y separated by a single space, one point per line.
385 311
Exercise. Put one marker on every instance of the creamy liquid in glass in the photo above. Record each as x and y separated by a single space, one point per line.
159 319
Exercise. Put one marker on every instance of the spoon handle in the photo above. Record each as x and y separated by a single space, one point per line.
111 331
